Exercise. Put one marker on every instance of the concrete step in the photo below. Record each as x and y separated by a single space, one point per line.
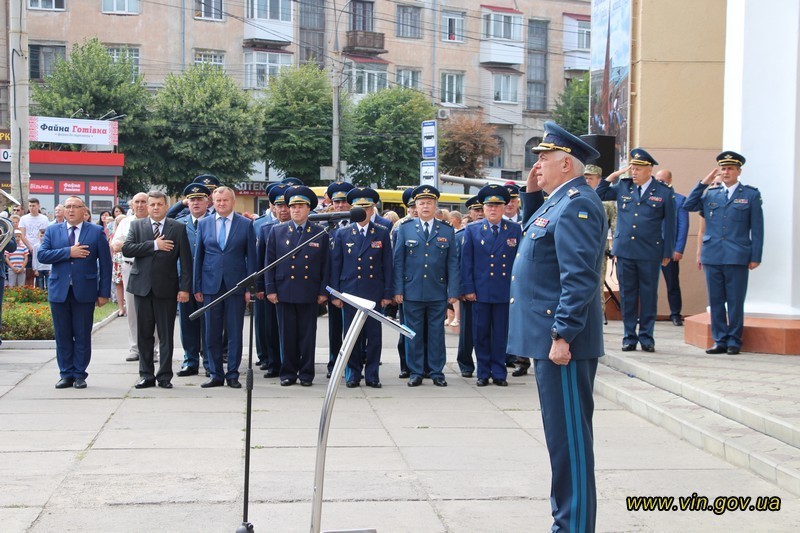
761 421
740 445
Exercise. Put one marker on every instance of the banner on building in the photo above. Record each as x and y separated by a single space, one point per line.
73 131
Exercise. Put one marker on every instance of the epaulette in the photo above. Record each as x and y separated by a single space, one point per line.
627 177
717 186
573 192
407 220
446 223
750 187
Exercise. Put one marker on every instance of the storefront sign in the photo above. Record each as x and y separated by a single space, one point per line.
42 187
252 188
71 187
101 188
73 131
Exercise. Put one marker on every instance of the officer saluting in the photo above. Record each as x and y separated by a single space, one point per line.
732 245
486 258
643 242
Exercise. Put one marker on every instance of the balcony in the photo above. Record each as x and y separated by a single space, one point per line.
265 33
502 52
364 43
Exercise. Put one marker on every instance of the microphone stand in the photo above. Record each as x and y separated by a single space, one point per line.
248 283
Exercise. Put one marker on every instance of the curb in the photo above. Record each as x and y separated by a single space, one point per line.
50 344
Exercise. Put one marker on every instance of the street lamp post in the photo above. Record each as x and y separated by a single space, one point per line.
337 87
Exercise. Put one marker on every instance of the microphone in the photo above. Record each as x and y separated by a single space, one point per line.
356 214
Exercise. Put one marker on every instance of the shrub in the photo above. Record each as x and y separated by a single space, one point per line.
24 294
27 321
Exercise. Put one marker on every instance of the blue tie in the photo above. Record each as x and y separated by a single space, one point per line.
222 234
72 235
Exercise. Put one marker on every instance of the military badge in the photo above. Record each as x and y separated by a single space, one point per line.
376 244
349 244
441 239
740 201
583 214
572 192
314 244
541 222
655 199
511 242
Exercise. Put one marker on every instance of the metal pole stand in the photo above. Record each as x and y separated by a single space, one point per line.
365 309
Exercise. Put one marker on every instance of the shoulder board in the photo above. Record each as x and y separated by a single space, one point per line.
446 223
573 192
407 220
669 185
750 187
717 186
628 177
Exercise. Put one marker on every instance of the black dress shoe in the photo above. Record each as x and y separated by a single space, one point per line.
733 350
519 372
212 383
500 382
466 374
65 383
649 348
717 348
328 375
374 384
405 374
416 381
677 321
482 382
263 366
304 383
439 382
288 382
187 371
164 384
271 374
208 374
510 364
629 347
145 383
132 357
81 383
234 383
352 384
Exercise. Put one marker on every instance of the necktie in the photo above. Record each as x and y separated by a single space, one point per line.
427 232
494 229
364 232
298 234
640 192
156 231
195 223
223 234
727 194
72 235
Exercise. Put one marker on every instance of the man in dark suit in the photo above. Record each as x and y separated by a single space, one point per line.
297 286
672 270
226 254
156 244
361 265
79 280
555 315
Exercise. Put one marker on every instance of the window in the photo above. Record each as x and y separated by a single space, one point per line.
53 5
452 26
43 59
212 57
367 78
536 94
500 26
497 161
259 67
408 22
505 88
584 34
208 9
530 156
120 53
361 15
121 6
408 78
452 88
270 9
312 32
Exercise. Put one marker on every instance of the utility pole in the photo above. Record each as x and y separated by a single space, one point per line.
18 99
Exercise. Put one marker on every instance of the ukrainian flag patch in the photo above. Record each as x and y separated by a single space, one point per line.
583 214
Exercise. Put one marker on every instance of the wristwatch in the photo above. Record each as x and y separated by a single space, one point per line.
554 334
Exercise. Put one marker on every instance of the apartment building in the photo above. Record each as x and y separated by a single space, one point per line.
509 59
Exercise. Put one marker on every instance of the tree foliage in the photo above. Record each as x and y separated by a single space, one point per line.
205 124
91 81
298 121
385 145
467 142
572 106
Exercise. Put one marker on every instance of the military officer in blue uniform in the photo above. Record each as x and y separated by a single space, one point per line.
511 211
555 315
181 209
297 286
411 208
426 278
732 246
361 264
487 256
192 331
643 242
465 333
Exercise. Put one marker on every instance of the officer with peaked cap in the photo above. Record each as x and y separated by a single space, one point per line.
511 211
408 201
487 255
643 241
732 246
555 315
465 333
291 180
180 209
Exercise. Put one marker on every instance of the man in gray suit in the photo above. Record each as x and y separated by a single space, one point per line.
156 243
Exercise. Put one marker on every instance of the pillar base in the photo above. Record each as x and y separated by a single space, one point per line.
762 335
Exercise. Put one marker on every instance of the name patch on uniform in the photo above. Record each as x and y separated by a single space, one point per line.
511 242
655 199
541 222
314 244
441 239
583 214
741 201
376 244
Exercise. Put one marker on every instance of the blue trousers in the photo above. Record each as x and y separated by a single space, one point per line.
417 316
727 287
72 322
231 314
297 324
638 291
671 274
366 354
491 338
192 333
465 339
565 395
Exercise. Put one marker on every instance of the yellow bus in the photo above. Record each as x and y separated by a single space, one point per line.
393 199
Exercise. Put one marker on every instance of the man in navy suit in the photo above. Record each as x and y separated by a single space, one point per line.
556 318
297 286
79 280
226 254
361 265
672 270
487 255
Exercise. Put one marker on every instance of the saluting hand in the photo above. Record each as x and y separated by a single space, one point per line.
710 177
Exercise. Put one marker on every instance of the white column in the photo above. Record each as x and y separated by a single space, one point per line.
762 122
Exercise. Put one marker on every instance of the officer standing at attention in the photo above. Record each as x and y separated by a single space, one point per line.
465 342
411 207
732 245
643 242
426 278
487 255
511 211
181 209
555 316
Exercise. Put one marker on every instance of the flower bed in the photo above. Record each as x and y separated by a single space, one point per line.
26 314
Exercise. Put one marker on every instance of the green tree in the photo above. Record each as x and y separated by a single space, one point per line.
205 124
90 80
572 106
297 111
467 142
385 144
